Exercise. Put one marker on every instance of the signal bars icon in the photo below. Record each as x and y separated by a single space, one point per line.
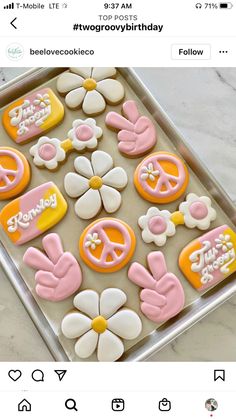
9 6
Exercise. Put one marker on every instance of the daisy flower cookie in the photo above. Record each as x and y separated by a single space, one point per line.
84 135
197 211
100 324
156 226
90 88
96 184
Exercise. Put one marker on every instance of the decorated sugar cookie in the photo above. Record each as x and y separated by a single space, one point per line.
161 177
157 224
96 184
100 323
163 296
33 213
107 245
137 133
90 88
210 258
58 273
84 135
14 172
32 115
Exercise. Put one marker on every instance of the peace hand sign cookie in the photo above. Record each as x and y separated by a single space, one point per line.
14 172
59 274
107 245
161 178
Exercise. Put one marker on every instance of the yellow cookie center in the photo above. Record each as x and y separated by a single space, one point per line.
177 218
99 324
95 182
89 84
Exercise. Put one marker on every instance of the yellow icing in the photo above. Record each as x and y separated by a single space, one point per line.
95 182
99 324
52 216
67 145
89 84
177 218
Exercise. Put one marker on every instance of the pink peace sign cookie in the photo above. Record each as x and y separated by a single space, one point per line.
107 245
163 295
137 133
161 177
14 172
58 273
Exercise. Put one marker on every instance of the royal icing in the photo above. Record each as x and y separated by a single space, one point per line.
14 172
210 258
137 133
161 177
58 273
32 115
107 245
48 152
157 225
90 88
100 323
33 213
162 296
97 184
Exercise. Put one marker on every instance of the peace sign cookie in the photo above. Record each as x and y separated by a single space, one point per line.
161 177
107 245
14 172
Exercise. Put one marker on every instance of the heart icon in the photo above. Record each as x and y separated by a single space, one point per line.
14 374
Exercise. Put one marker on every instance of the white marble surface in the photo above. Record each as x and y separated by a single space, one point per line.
202 103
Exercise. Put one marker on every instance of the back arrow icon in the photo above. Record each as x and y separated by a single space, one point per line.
12 23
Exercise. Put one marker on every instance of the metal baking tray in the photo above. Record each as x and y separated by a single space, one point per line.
191 314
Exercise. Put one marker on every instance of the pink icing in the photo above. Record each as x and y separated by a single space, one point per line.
109 247
198 210
164 178
157 225
59 274
137 133
15 175
47 151
84 133
163 295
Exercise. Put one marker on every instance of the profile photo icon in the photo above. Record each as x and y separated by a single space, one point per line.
211 405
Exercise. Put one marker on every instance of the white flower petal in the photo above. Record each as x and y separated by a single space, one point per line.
75 324
110 347
147 236
75 97
83 166
111 300
227 237
112 90
75 185
86 344
101 162
85 72
126 324
88 205
144 176
111 198
88 302
143 221
117 178
100 73
67 82
93 103
160 239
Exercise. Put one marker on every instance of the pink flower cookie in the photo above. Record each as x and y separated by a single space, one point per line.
163 296
59 274
137 133
158 224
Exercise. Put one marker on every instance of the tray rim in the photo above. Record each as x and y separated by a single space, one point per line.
200 308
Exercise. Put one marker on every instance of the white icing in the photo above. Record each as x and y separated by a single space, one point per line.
91 201
92 142
147 235
49 164
120 323
100 73
92 240
25 115
68 81
148 172
21 220
112 90
75 98
93 103
189 220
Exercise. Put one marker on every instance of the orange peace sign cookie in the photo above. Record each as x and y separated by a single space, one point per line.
161 177
107 245
14 172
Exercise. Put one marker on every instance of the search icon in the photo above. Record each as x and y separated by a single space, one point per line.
71 404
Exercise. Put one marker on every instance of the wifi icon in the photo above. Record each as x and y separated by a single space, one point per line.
9 6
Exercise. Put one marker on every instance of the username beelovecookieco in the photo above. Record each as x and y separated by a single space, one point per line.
73 51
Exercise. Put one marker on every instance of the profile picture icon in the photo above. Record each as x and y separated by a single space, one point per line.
211 405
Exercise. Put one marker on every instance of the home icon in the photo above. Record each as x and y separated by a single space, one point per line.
24 406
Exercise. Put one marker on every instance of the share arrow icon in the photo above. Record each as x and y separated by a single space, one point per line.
61 374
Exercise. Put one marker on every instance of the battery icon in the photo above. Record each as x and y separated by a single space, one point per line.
226 5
